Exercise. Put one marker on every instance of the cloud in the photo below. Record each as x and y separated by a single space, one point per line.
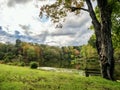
63 33
22 21
12 3
78 25
7 37
4 33
42 37
75 21
25 27
81 39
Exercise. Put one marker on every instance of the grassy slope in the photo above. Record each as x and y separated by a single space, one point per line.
22 78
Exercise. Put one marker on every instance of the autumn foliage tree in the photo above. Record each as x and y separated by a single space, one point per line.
102 27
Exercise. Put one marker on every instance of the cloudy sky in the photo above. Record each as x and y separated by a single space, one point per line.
19 19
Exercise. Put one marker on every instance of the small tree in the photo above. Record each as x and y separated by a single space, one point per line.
33 65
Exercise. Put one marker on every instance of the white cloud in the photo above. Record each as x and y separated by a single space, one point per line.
20 19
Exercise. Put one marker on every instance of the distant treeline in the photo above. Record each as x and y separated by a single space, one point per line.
45 55
22 53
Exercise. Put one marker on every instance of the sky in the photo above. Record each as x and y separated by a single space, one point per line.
19 19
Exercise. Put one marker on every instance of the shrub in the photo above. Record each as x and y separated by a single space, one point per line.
21 64
33 65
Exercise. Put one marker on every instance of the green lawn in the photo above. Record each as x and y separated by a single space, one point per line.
24 78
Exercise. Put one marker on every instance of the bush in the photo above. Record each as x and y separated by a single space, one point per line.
33 65
21 64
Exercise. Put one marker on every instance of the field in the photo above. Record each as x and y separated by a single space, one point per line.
24 78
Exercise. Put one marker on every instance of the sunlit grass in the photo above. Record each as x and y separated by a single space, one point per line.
24 78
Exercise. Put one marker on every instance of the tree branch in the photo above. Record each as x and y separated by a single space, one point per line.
76 8
96 24
91 12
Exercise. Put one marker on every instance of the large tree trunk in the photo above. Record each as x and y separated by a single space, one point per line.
103 37
106 53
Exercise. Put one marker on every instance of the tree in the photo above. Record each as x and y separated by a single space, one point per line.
88 52
92 40
116 25
51 56
102 28
18 45
89 57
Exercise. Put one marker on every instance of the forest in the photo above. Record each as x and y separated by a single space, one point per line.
45 55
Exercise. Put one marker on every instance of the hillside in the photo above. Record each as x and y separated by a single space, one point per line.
24 78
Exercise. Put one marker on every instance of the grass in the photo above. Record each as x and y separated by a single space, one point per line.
24 78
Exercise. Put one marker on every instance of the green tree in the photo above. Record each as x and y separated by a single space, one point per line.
31 54
18 47
115 29
102 28
92 40
116 25
2 51
88 52
90 57
51 56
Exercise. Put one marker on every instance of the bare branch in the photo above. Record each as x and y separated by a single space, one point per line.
91 12
77 8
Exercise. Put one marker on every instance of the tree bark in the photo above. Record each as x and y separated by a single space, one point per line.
103 37
106 54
